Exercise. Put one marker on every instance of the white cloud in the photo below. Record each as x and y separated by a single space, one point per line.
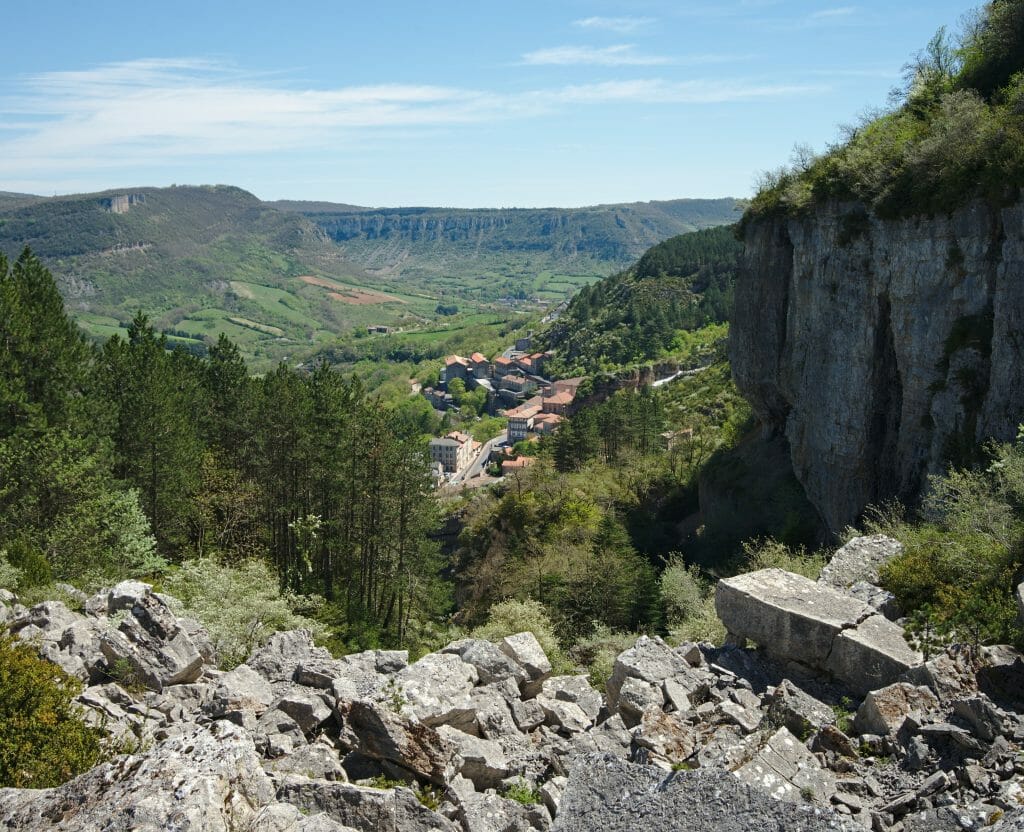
622 25
624 54
152 112
831 14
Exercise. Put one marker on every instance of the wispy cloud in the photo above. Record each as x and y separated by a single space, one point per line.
622 25
155 111
623 54
832 14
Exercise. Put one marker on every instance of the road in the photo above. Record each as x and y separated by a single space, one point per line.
478 464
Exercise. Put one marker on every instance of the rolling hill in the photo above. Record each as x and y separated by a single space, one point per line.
284 278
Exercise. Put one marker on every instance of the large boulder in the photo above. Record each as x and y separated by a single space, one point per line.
492 665
363 808
859 560
284 653
795 619
525 651
150 645
650 660
203 779
884 711
611 795
785 769
381 734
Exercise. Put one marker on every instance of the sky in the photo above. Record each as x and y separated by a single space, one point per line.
451 103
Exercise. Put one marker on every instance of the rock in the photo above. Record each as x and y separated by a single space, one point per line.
881 601
667 739
491 813
873 654
859 560
363 808
748 719
883 711
242 689
797 620
316 761
551 793
649 660
986 720
676 695
383 735
635 696
525 650
436 690
276 733
492 665
284 653
612 795
203 779
483 761
308 708
125 595
800 712
528 715
786 770
569 702
150 644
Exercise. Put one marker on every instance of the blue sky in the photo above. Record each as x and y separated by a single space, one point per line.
516 103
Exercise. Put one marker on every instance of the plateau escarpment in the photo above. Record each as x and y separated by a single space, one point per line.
883 350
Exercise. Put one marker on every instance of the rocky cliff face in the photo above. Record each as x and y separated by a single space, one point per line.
881 349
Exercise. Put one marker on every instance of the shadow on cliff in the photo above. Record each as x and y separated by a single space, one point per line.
749 491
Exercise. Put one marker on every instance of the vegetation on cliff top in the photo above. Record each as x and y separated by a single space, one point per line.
955 131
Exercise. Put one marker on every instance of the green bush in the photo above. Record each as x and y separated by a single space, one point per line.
598 651
43 738
768 554
509 617
240 605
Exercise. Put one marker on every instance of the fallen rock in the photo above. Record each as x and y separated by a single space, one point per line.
283 653
859 560
666 738
492 813
650 660
817 626
786 770
204 779
383 735
611 795
525 650
800 712
150 644
362 807
242 689
492 665
484 762
884 711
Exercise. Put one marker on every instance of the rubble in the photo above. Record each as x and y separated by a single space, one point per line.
691 737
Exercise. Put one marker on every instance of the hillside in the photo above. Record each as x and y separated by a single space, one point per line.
635 315
199 261
490 253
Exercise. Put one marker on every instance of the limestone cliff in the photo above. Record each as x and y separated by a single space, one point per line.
882 349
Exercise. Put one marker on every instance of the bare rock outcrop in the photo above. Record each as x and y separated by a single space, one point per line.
907 343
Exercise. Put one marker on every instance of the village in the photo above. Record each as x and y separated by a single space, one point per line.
516 389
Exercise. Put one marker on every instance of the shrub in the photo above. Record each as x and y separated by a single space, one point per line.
682 590
240 605
767 554
598 651
43 739
509 617
522 792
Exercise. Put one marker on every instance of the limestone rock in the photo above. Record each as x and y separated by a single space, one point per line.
797 620
282 655
649 660
666 738
383 735
612 795
884 711
241 689
483 761
203 779
492 665
525 650
786 770
859 560
436 689
492 813
151 644
800 712
316 761
363 808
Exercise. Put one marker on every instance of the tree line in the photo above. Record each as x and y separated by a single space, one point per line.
128 457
